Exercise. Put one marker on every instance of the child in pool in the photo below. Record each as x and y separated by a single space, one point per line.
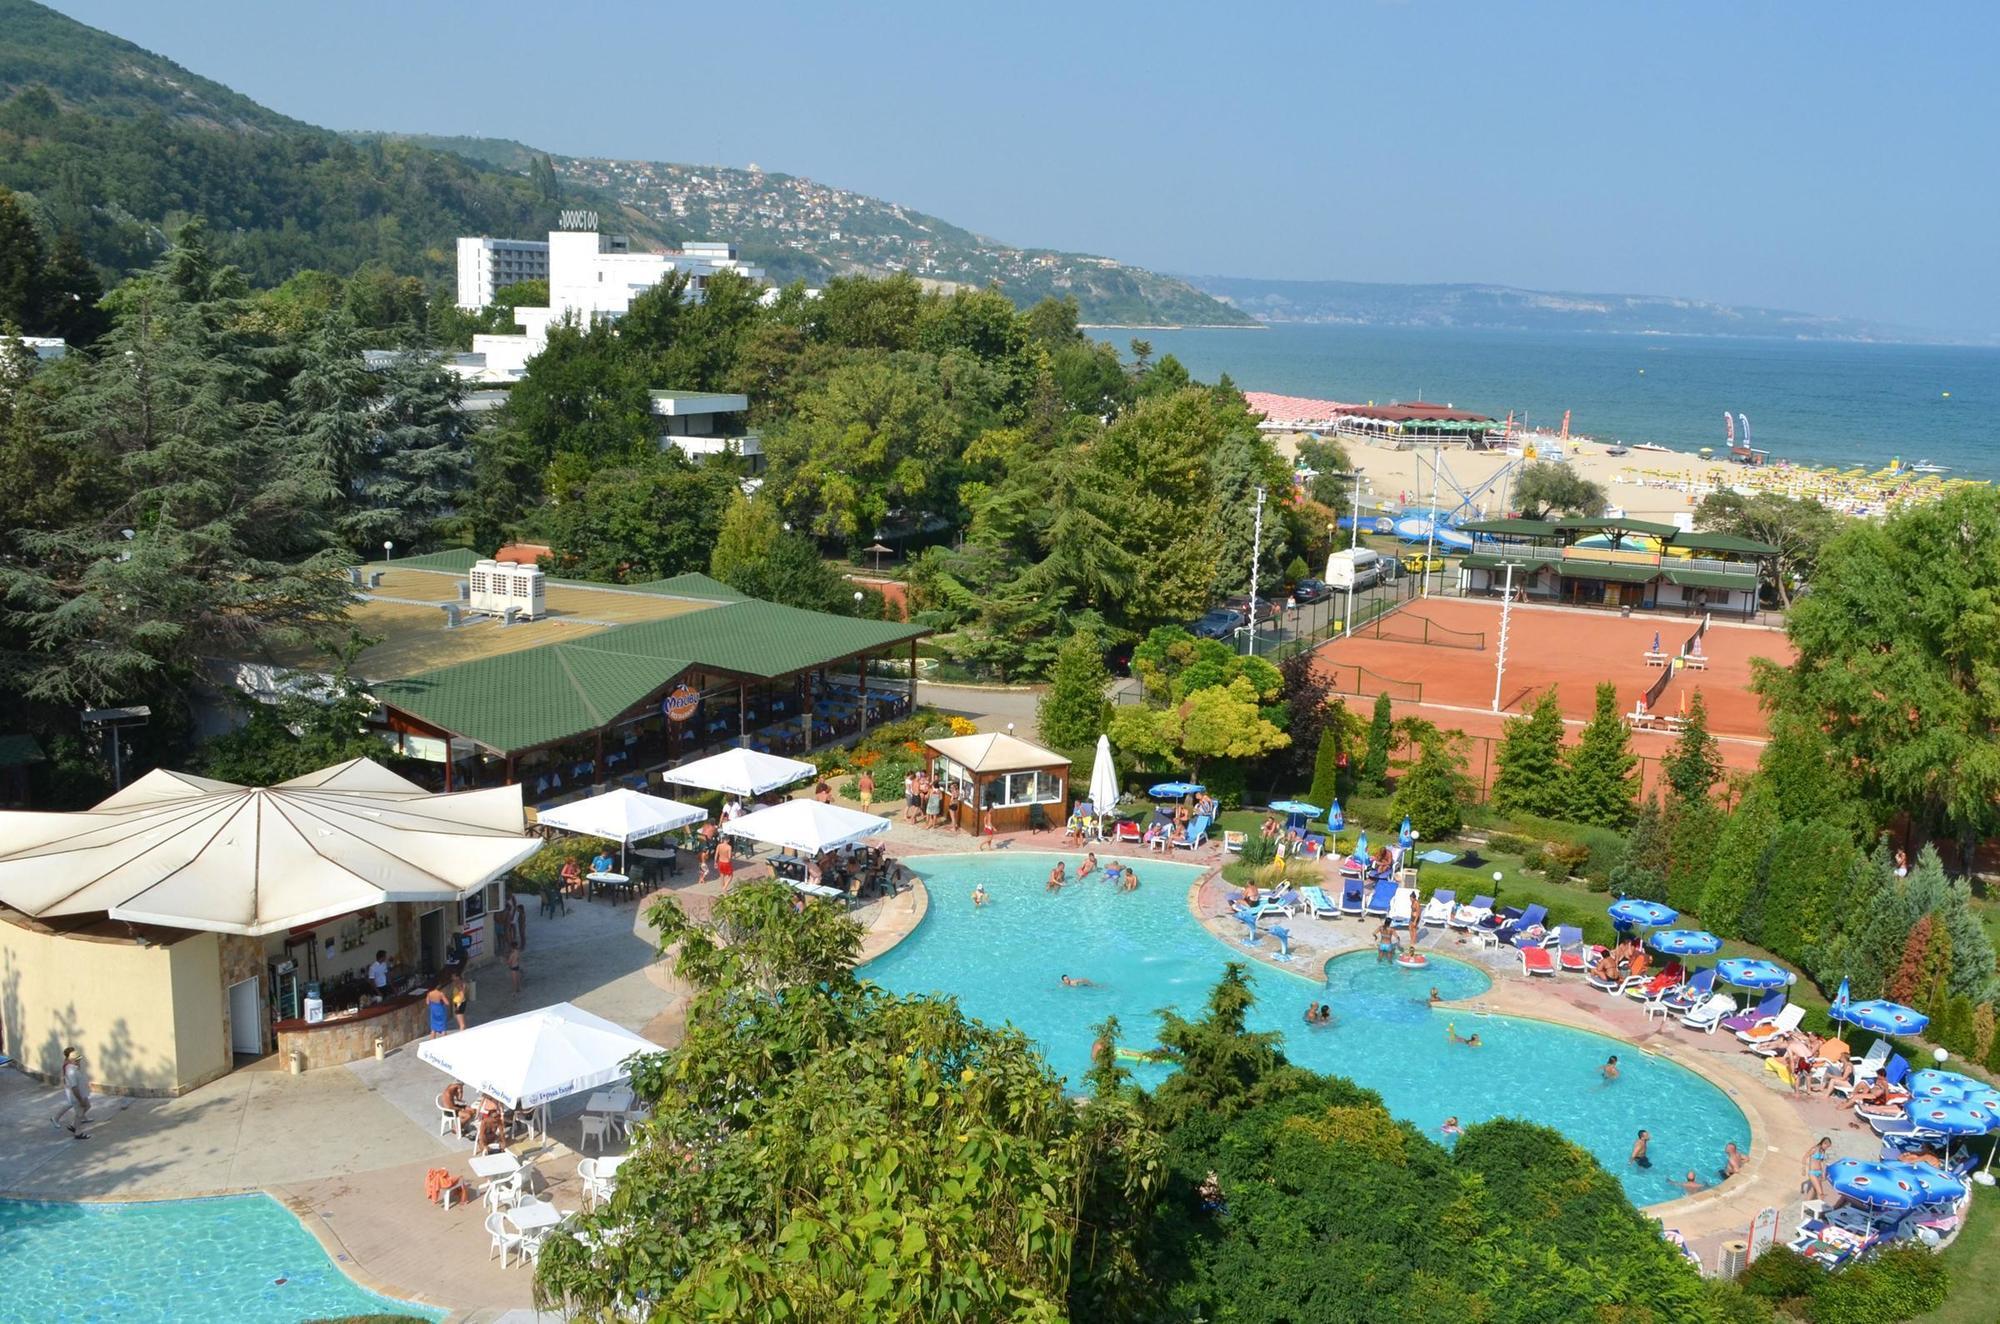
1089 865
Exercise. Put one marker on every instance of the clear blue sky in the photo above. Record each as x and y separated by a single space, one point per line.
1836 158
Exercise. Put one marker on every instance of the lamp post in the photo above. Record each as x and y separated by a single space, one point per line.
388 549
1256 550
858 596
1431 524
1500 654
1353 541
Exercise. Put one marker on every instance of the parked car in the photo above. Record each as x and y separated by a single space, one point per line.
1218 623
1311 590
1267 608
1414 563
1356 567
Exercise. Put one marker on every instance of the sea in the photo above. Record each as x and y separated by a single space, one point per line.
1817 402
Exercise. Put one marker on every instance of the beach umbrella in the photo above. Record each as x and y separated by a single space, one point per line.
1630 912
1361 845
1867 1182
1880 1015
1335 819
1175 790
1840 999
1952 1117
1747 972
1404 836
1685 942
1933 1185
1103 778
1295 811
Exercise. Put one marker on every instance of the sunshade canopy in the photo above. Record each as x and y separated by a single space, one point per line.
1643 914
1748 972
538 1056
1103 778
740 772
807 826
622 816
1685 942
1881 1016
194 853
995 751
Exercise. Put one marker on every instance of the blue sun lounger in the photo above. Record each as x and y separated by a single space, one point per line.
1350 898
1319 902
1379 899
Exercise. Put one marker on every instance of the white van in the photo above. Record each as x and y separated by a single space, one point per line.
1353 567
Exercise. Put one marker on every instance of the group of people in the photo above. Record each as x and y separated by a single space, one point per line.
1627 960
485 1123
1123 877
934 802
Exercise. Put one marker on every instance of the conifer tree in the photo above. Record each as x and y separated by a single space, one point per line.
1072 709
1739 856
1326 768
1381 733
1597 786
1529 758
1431 794
1694 765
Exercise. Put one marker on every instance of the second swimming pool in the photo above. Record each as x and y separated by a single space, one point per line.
1144 952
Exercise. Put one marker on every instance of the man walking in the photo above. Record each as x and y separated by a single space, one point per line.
76 1095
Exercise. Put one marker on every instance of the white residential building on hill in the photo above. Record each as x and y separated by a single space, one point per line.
487 266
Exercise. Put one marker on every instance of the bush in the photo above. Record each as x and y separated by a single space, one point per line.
1898 1284
1503 843
1258 849
1633 879
1781 1274
1561 859
1227 781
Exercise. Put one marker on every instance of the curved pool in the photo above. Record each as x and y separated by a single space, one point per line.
1143 951
234 1257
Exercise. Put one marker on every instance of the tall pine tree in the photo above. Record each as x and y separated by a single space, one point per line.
1694 765
1597 785
1072 709
1381 734
1529 757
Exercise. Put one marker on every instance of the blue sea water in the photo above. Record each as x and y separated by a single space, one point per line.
239 1257
1811 401
1143 952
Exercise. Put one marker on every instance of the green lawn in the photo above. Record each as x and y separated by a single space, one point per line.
1974 1261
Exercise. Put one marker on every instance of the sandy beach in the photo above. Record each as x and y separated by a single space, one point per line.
1653 485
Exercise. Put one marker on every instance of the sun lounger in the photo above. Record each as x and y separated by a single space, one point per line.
1351 902
1314 847
1528 930
1771 1005
1232 842
1438 909
1380 899
1537 961
1659 985
1353 866
1710 1013
1195 837
1321 905
1691 994
1470 914
1765 1032
1402 906
1869 1067
1129 831
1573 956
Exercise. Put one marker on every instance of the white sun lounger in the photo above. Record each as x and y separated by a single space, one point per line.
1472 912
1437 910
1762 1035
1710 1013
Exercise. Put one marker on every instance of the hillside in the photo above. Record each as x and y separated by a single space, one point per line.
1505 308
799 229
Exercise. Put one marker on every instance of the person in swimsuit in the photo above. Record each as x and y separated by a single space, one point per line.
933 806
979 897
440 1010
1076 981
986 830
1639 1159
1128 881
1610 1069
1814 1187
1056 877
1451 1127
1089 865
1732 1161
1692 1184
1470 1041
725 862
458 1000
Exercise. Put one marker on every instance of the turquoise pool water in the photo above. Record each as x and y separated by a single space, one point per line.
1143 952
173 1262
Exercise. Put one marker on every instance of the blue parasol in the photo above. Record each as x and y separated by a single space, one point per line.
1685 942
1933 1186
1296 812
1934 1083
1866 1182
1405 837
1634 913
1881 1016
1361 845
1335 820
1175 790
1747 972
1953 1117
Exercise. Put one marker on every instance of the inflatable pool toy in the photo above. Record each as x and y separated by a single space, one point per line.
1412 960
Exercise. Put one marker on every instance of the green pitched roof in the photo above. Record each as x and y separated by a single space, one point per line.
541 695
1518 528
687 586
1647 527
1723 542
1526 558
1615 572
452 558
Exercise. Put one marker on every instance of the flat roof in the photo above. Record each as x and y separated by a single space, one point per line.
405 615
674 404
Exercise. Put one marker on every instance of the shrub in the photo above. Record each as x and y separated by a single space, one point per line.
1634 880
1561 859
1781 1274
1504 843
1258 849
1898 1284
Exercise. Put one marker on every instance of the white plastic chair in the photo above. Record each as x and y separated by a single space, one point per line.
504 1192
502 1241
593 1127
447 1118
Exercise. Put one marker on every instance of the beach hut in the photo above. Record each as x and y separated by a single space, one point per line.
1018 780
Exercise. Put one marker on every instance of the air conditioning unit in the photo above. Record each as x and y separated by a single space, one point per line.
494 586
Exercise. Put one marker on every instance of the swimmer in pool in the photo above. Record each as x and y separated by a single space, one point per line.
1128 881
1610 1069
1450 1127
1056 877
1089 865
1436 997
1639 1159
1071 981
1470 1041
979 897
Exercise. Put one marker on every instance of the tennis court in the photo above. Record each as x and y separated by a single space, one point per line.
1570 649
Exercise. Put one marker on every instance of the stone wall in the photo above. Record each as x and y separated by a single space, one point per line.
332 1043
243 958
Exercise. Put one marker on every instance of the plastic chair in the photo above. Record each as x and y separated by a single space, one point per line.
593 1127
502 1241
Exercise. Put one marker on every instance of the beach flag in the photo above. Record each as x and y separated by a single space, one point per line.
1744 419
1729 426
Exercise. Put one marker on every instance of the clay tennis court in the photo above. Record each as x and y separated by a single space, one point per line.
1569 648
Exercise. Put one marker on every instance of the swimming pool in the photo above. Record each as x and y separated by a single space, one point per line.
1144 951
234 1257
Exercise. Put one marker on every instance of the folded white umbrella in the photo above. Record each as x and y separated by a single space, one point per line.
1103 778
807 826
623 816
538 1056
195 853
744 772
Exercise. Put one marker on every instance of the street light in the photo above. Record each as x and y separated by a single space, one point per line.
388 549
1256 549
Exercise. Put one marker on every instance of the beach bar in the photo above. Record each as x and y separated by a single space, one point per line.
1017 780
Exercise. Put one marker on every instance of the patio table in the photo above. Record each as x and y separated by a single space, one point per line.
532 1216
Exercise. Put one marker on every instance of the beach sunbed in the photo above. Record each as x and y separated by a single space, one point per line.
1470 914
1865 1070
1129 831
1762 1035
1402 907
1351 898
1379 900
1659 985
1710 1013
1232 842
1528 930
1321 905
1195 837
1537 961
1573 955
1771 1005
1438 909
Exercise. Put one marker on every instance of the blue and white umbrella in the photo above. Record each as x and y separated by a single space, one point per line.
1933 1186
1175 790
1294 807
1361 845
1935 1083
1335 819
1952 1117
1632 913
1685 942
1866 1182
1405 837
1748 972
1881 1016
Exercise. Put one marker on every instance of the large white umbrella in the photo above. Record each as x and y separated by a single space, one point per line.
806 826
535 1057
192 852
623 816
744 772
1103 778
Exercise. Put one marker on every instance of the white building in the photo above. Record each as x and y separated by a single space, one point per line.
590 276
487 266
695 421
